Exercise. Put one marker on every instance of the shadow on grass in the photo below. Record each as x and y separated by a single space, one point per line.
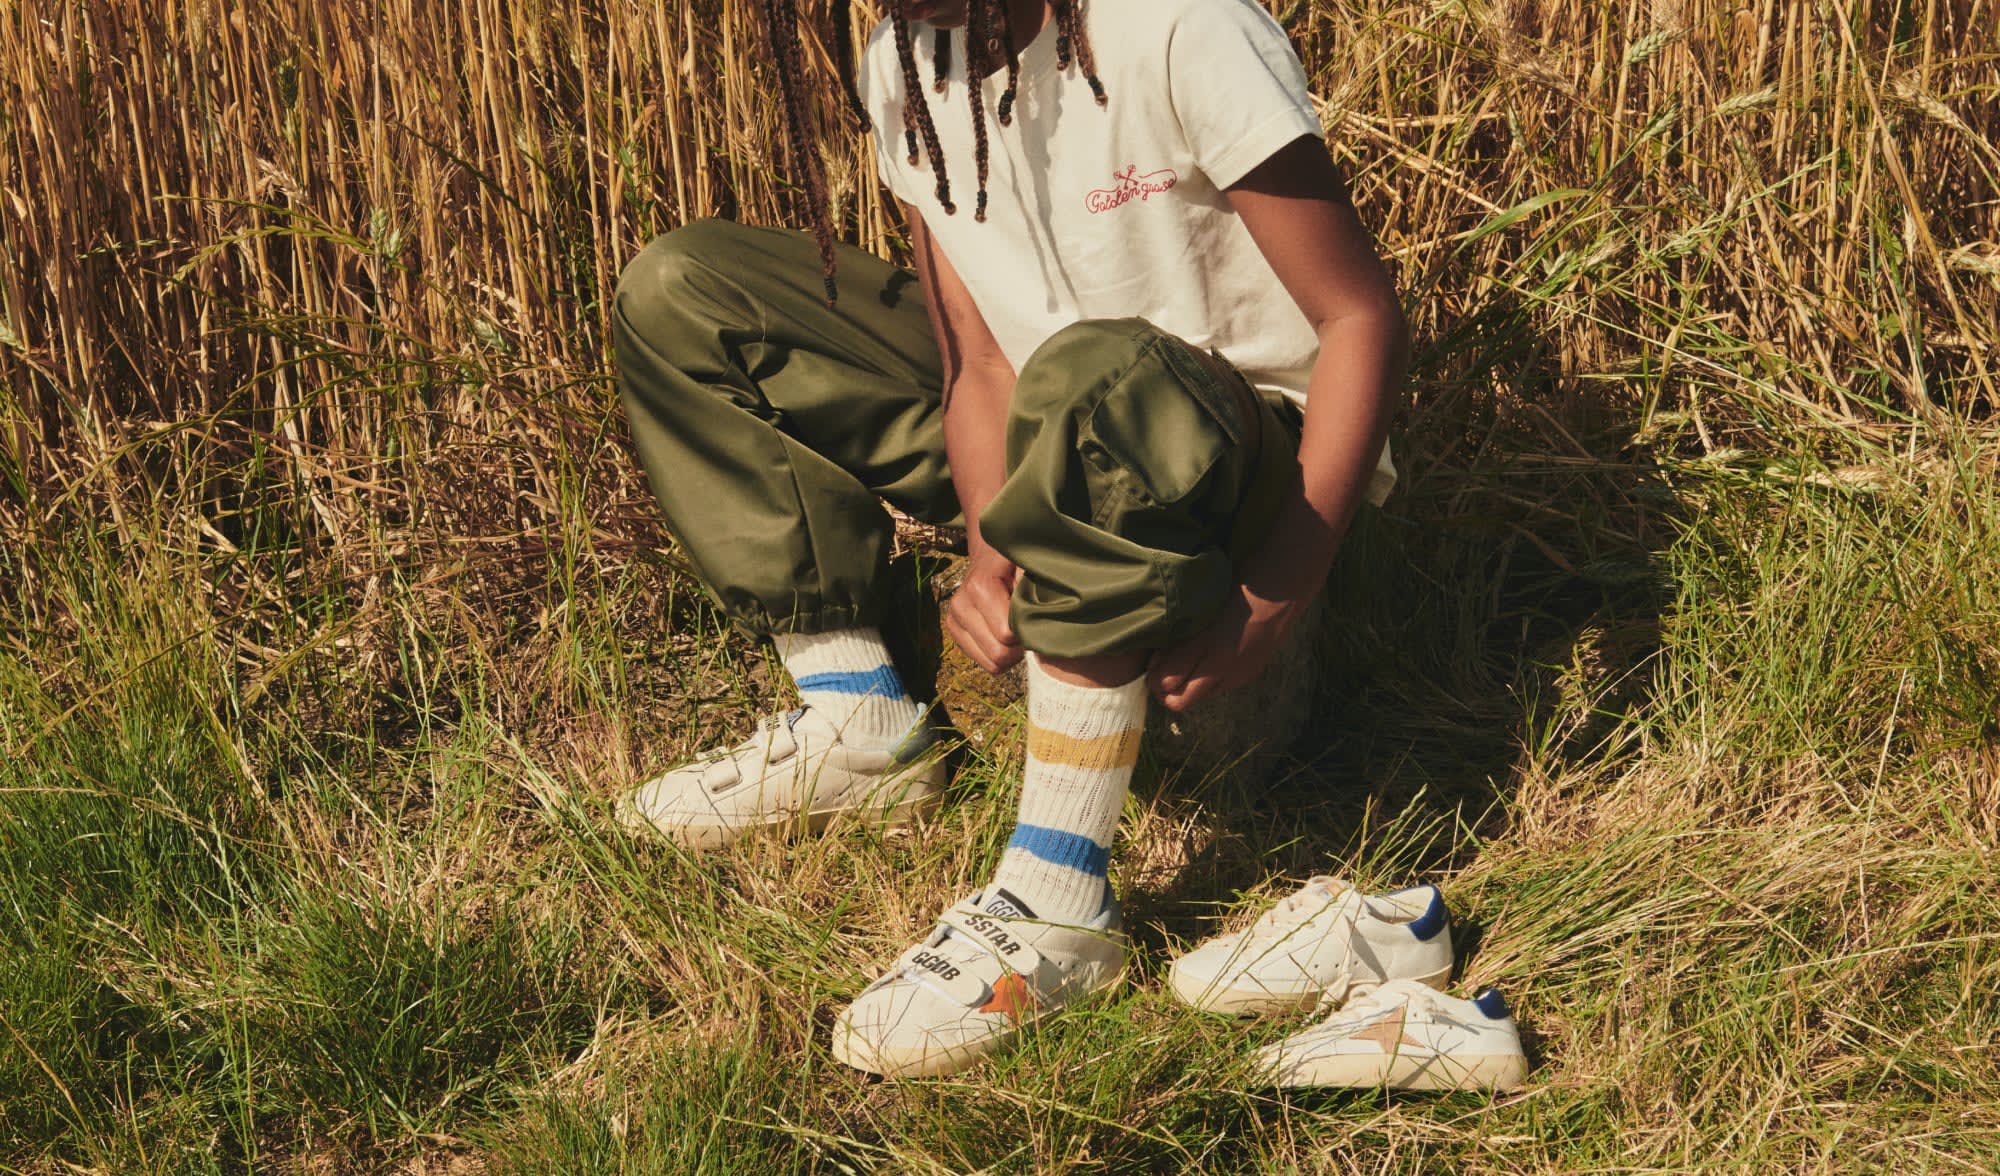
1502 606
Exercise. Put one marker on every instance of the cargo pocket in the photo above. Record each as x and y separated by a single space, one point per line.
1158 432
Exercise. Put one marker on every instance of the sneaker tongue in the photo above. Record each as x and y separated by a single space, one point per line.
1006 904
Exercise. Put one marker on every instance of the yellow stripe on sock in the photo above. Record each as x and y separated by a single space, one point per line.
1120 749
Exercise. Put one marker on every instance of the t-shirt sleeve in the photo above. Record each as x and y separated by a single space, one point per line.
1236 86
881 97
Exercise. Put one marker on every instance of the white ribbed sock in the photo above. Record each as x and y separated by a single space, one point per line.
847 679
1082 743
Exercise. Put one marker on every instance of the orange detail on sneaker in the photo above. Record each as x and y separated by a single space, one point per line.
973 983
1010 996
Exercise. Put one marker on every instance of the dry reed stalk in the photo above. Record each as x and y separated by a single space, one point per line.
340 244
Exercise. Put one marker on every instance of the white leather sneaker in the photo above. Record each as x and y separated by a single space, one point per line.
795 774
1322 942
989 969
1407 1036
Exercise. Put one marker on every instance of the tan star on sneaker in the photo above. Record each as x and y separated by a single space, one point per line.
1407 1036
1325 940
989 969
795 774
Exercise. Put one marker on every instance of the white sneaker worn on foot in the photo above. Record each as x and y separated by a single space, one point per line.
989 969
1407 1036
795 774
1324 941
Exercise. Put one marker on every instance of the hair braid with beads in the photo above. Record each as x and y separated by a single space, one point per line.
902 30
915 102
976 50
989 33
1003 27
1070 12
783 17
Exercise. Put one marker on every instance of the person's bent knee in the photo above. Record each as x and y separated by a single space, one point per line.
1079 358
671 276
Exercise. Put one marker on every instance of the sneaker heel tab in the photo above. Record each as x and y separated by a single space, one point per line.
1433 921
930 728
1111 911
913 744
1492 1005
931 725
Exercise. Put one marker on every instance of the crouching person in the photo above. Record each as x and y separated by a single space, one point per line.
1149 370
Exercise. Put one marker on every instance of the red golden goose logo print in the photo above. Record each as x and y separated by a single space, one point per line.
1129 185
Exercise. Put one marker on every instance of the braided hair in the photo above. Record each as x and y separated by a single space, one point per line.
1003 28
976 49
917 112
781 18
989 35
1070 35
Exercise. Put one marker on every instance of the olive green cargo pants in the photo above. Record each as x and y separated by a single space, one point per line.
1139 468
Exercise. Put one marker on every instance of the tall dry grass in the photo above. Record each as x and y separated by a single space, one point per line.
331 612
314 293
369 244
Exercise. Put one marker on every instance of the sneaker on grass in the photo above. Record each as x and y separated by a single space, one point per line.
1406 1036
1322 942
795 774
989 969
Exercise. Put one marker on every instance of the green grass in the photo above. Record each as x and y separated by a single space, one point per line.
1719 816
334 614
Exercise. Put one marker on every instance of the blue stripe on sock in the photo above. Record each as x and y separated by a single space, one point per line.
1061 848
881 680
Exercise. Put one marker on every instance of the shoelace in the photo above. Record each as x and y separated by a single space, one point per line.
1275 925
1370 1002
1284 918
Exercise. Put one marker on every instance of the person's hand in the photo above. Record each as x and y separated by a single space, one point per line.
976 618
1231 652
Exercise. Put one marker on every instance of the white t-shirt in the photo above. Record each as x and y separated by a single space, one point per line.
1118 210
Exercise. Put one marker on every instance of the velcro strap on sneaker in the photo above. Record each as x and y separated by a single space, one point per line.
1002 937
782 746
773 743
720 775
944 971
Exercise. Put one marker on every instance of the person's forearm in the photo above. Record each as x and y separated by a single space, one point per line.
975 442
1348 403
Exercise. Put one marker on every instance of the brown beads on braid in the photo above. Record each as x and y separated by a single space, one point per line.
940 58
910 84
977 52
1085 59
989 32
1003 27
914 102
1073 42
782 18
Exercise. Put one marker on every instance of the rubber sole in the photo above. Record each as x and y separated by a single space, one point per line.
1496 1072
926 777
1205 996
926 1061
849 1050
